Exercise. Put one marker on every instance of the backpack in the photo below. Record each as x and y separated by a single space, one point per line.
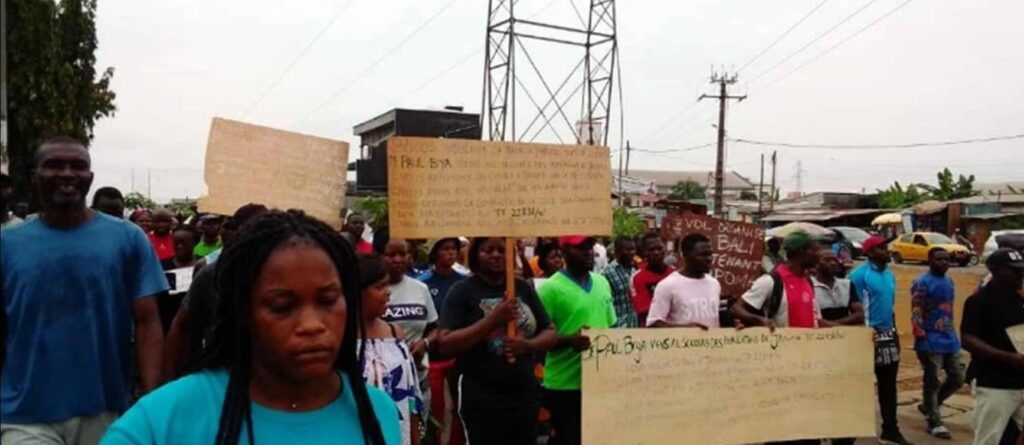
774 303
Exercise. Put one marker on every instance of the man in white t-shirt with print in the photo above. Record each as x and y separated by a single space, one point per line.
690 297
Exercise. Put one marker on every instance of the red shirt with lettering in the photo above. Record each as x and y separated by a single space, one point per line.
800 298
644 282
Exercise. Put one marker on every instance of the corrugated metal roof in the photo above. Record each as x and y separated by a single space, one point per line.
666 178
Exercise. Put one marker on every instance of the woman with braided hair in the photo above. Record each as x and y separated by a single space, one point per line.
281 365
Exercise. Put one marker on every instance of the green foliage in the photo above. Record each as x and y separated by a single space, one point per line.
949 189
688 190
375 209
136 200
53 86
1011 223
748 195
184 209
897 197
626 223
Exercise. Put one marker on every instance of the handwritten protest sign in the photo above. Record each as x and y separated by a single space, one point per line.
251 164
738 247
447 187
1016 334
723 387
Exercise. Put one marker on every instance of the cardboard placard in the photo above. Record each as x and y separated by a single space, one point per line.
724 387
738 247
248 163
456 187
1016 334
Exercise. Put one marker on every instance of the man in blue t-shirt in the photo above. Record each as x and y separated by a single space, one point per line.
442 275
875 285
75 282
935 340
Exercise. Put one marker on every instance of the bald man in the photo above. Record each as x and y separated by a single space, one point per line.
76 284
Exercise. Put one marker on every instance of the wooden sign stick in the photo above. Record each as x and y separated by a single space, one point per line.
510 285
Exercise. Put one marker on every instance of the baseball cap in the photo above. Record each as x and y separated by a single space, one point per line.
798 240
575 240
433 244
872 242
1005 257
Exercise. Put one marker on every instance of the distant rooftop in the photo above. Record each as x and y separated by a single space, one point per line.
667 178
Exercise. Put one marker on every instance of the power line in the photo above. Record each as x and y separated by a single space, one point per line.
833 47
377 62
297 58
881 146
676 150
814 40
779 39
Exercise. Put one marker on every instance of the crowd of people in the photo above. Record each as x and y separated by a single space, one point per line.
270 326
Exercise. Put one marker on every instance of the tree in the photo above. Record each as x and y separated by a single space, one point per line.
53 85
687 190
949 189
626 223
136 201
748 195
375 209
897 197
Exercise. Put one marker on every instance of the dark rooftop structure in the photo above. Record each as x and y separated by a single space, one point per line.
371 168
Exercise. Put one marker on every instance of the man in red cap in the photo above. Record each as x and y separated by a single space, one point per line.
575 299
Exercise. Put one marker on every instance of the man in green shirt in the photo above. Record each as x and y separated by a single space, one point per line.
575 299
209 226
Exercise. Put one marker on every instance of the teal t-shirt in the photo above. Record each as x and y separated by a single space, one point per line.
187 412
571 307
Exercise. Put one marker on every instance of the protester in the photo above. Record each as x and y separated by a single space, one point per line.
997 366
838 305
550 259
784 298
142 218
75 284
20 209
195 316
355 225
160 237
387 362
575 299
498 393
209 226
109 200
442 254
7 219
600 257
935 340
772 255
442 275
689 298
412 309
282 364
535 260
875 286
619 275
184 239
650 274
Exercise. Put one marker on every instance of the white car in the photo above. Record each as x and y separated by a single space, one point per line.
990 245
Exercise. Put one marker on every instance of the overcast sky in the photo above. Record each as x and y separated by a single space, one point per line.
931 71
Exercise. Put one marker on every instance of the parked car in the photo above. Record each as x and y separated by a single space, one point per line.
990 245
855 236
915 247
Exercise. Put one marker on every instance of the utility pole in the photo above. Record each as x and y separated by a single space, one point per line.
622 173
723 80
799 176
771 201
629 150
760 190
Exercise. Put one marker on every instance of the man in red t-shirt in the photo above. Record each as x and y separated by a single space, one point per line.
160 237
356 226
648 277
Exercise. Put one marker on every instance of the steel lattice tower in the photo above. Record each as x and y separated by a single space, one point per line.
512 73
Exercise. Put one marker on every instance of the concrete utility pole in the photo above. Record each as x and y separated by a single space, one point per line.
629 150
760 190
723 81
